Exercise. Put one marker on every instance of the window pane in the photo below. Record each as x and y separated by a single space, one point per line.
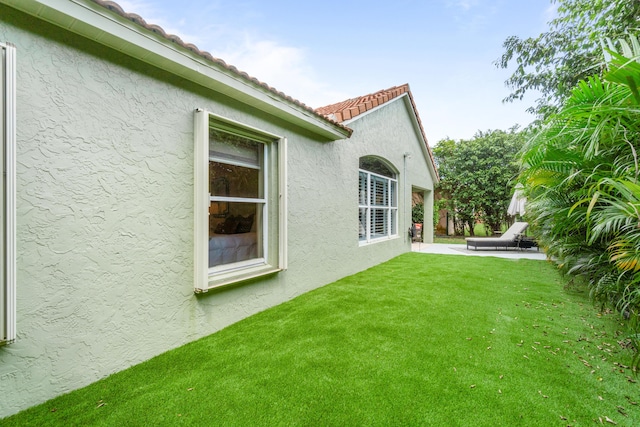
379 191
363 189
237 237
379 223
233 148
375 165
234 181
235 171
394 221
394 194
363 224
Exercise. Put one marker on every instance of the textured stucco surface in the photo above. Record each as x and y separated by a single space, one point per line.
105 212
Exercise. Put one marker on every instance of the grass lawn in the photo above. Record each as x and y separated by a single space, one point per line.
420 340
452 240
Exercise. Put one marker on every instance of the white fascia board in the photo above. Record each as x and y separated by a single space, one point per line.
424 143
96 23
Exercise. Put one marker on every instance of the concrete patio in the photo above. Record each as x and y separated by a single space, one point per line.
461 249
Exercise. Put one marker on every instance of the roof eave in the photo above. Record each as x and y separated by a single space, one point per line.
97 23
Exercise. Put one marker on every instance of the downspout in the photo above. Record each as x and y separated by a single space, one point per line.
406 198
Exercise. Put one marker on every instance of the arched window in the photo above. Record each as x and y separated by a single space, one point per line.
378 200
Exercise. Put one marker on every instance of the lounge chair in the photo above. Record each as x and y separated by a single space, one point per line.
509 239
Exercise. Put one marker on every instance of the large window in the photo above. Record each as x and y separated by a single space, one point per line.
378 200
239 202
7 194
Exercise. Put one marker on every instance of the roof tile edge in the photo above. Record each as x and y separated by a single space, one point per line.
138 20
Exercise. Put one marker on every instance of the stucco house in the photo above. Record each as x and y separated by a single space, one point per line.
153 194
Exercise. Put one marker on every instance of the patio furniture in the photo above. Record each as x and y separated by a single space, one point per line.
525 242
512 238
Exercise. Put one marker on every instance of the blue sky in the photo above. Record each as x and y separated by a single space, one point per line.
321 53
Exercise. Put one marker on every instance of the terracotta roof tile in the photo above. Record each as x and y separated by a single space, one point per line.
347 110
137 19
363 103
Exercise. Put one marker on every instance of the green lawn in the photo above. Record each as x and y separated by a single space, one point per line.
420 340
450 240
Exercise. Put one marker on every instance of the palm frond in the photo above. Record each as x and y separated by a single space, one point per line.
582 175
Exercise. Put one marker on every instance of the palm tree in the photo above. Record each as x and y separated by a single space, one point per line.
581 172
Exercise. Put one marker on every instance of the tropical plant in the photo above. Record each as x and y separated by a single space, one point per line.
438 205
582 174
417 213
477 175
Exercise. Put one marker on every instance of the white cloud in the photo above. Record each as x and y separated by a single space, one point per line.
280 66
473 16
551 12
465 5
139 7
153 14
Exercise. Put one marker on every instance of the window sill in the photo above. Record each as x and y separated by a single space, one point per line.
218 281
378 240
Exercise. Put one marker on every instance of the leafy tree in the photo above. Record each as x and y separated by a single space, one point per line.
477 176
582 173
571 50
459 202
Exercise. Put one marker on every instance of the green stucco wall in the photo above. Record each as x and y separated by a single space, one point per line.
105 211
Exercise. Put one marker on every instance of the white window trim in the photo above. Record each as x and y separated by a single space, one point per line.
392 211
206 278
283 159
8 241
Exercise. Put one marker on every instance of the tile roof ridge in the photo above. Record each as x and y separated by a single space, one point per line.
138 20
350 108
